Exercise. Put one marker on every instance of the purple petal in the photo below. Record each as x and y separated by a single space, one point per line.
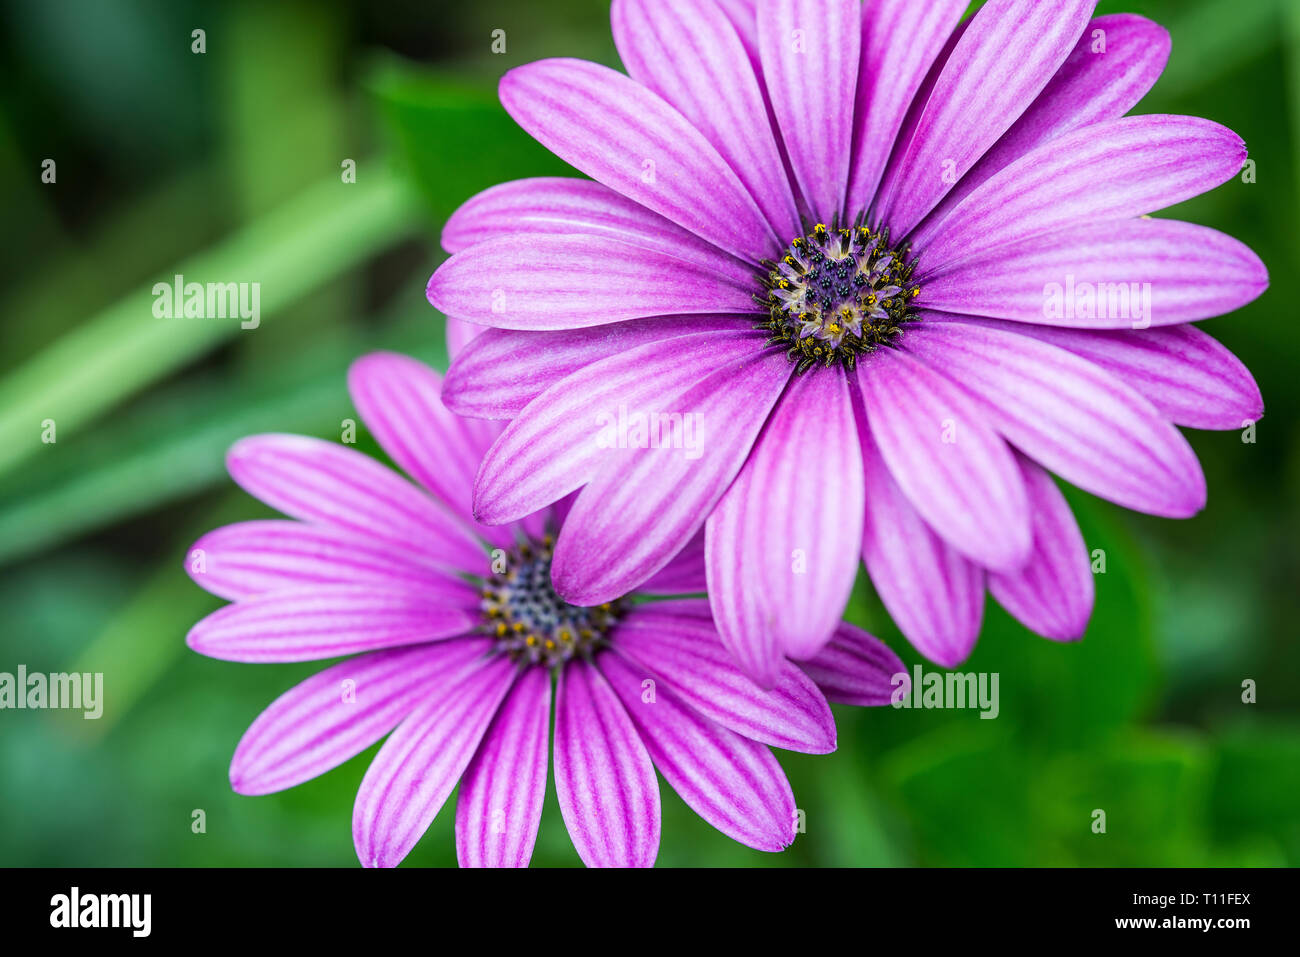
570 281
327 621
782 545
934 595
856 668
621 134
459 335
735 784
318 481
1072 417
690 55
644 504
504 369
684 575
809 50
1116 275
338 713
677 641
743 16
502 790
890 74
399 401
954 468
1116 169
608 793
556 443
1092 85
253 558
562 206
1053 593
420 763
1189 376
1003 60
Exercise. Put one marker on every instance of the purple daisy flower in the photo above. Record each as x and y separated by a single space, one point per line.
901 269
457 633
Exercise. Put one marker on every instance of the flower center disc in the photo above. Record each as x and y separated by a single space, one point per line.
837 294
529 621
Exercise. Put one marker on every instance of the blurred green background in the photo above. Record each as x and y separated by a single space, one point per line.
226 165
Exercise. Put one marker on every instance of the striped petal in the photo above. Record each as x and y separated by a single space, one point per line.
1187 375
400 402
327 621
644 504
559 206
1112 170
570 282
735 784
809 50
318 481
623 135
954 468
782 548
499 806
1002 62
934 595
690 55
1070 416
1052 595
686 574
504 369
557 443
1129 274
609 797
338 713
1115 63
420 763
254 558
856 668
678 641
890 74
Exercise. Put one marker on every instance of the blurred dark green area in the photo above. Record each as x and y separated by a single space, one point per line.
227 165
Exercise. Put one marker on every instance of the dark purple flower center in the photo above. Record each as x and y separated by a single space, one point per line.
529 621
837 294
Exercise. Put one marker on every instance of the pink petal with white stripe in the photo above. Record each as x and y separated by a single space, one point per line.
400 402
954 468
1190 377
571 281
690 54
809 50
420 763
609 796
257 557
1052 595
1119 275
890 74
779 578
857 668
623 135
505 369
934 595
734 783
559 441
678 641
1006 56
318 481
327 621
1069 415
644 504
1116 169
337 713
499 806
1115 63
